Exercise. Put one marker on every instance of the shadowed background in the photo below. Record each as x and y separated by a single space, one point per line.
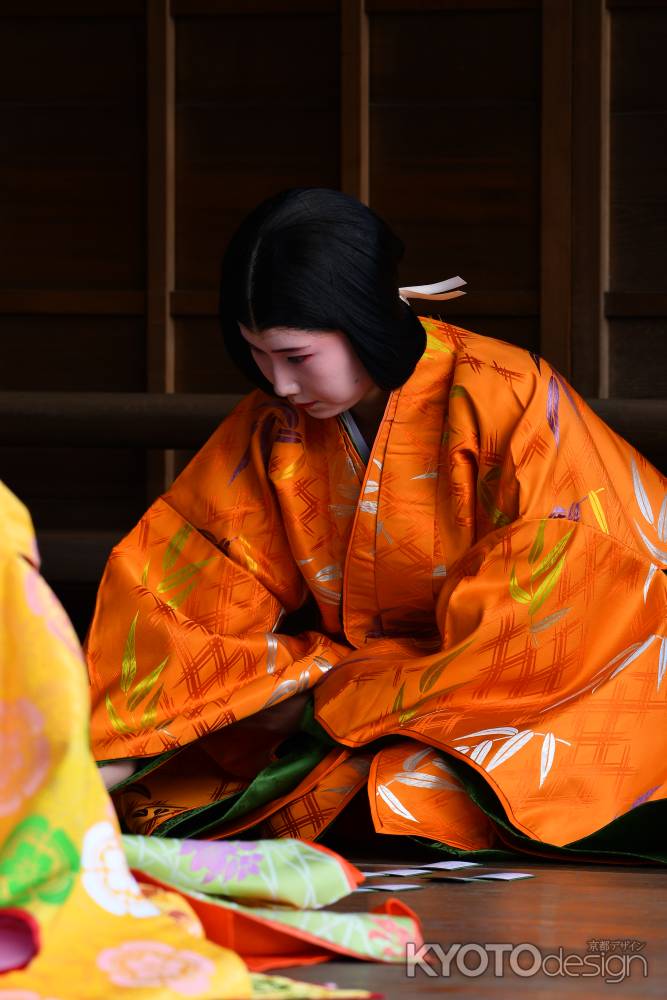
521 144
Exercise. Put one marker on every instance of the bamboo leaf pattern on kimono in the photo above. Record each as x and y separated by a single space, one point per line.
144 575
659 555
487 498
545 588
481 751
517 592
115 718
175 547
641 496
538 544
652 570
271 652
552 556
284 688
291 470
553 395
243 464
144 686
148 718
177 599
394 803
536 361
550 620
420 779
322 664
432 673
398 700
662 660
597 509
181 575
411 762
509 748
662 521
432 344
547 756
497 731
128 668
457 390
637 651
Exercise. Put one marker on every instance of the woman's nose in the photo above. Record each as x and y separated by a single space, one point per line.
284 382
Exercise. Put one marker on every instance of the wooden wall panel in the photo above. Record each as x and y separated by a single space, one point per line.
638 359
638 201
520 143
203 365
78 488
71 152
257 110
639 150
455 138
72 353
72 253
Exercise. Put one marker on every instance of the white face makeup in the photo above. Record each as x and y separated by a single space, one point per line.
317 370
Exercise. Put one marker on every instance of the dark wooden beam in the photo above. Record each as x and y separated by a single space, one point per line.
354 109
556 196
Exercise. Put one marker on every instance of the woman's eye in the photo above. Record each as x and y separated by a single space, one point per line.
298 359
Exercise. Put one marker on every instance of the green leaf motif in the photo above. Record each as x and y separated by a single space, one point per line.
545 588
181 575
148 718
551 557
128 667
115 719
538 544
398 700
144 575
432 674
177 599
487 499
457 390
175 547
144 686
517 592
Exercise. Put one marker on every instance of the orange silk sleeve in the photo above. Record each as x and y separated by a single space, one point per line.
183 637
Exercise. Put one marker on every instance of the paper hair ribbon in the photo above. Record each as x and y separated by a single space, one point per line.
440 290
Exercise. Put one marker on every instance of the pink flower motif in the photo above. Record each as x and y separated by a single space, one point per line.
22 995
44 603
25 753
143 964
231 861
393 933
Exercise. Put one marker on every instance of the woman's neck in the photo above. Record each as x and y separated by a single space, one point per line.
368 412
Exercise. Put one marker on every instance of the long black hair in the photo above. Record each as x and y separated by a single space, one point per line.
317 259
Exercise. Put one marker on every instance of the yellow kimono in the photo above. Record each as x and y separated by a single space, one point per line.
487 591
75 923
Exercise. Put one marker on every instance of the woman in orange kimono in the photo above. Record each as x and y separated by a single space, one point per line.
475 556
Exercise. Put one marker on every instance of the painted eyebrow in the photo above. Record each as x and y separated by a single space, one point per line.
282 350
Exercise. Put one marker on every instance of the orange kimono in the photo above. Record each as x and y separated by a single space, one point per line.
489 652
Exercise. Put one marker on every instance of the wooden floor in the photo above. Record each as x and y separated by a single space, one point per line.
563 906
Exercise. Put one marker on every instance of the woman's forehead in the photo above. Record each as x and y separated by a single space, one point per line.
277 338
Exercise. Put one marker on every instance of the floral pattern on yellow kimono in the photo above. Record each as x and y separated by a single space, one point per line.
489 592
74 921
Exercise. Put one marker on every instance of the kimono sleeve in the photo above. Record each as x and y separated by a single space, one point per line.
183 637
